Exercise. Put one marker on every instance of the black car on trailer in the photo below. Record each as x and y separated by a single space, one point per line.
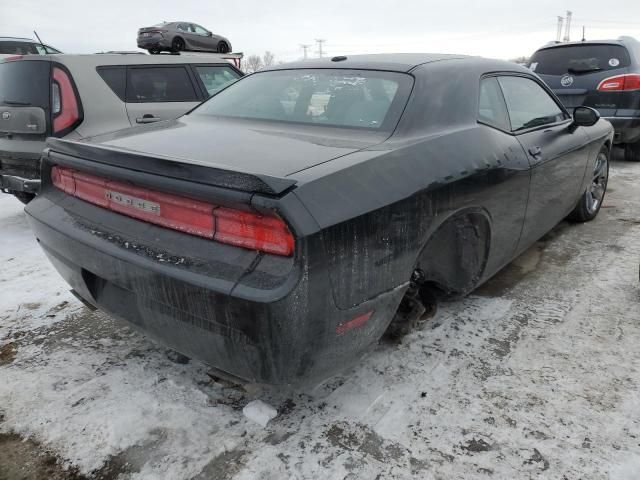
603 74
277 230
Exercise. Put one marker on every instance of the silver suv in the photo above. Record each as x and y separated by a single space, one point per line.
77 96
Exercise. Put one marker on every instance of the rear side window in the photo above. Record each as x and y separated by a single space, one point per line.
579 59
25 83
491 107
18 48
215 78
529 105
159 84
331 97
116 78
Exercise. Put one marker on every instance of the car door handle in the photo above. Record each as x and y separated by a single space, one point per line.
535 151
147 118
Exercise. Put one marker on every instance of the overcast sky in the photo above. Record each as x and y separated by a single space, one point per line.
491 28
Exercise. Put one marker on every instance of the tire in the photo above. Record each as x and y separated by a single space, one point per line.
223 47
177 45
591 201
24 197
154 51
632 152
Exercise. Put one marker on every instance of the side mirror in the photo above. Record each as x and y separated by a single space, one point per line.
585 116
209 34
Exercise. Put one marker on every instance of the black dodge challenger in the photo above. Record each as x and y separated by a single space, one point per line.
281 227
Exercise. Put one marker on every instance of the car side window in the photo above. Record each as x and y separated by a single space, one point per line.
115 78
529 105
184 28
159 84
199 30
215 78
491 107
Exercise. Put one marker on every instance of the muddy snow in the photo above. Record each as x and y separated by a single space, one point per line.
536 375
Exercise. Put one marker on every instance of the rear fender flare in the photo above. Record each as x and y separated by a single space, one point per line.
455 255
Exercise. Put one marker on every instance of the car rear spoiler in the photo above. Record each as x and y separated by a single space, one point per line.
169 167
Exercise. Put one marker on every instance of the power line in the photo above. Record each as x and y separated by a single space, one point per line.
559 32
567 32
320 41
304 47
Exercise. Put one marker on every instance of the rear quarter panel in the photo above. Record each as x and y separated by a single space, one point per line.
103 110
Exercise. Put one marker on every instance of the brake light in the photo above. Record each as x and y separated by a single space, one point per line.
14 58
620 83
265 233
64 103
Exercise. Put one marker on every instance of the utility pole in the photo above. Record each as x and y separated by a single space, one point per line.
584 36
304 48
567 32
320 41
559 32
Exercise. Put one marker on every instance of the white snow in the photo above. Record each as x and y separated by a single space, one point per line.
537 377
259 412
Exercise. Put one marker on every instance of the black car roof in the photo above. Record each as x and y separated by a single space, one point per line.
399 62
404 62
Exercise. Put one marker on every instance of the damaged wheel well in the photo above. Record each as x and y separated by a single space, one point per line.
454 257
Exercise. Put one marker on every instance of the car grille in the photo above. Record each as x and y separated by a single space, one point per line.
572 101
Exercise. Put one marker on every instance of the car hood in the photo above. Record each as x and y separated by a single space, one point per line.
255 147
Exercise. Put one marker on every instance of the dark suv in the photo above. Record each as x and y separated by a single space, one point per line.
603 74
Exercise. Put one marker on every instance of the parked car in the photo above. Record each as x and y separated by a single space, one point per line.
278 229
181 36
92 94
10 46
603 74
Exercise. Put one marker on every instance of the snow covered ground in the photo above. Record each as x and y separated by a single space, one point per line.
537 375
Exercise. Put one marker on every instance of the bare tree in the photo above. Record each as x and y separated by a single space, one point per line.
253 64
268 59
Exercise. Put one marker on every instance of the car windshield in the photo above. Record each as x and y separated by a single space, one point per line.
579 59
331 97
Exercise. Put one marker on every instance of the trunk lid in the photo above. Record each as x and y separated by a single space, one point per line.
25 99
253 147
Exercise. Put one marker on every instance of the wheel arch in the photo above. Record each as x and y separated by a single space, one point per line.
455 255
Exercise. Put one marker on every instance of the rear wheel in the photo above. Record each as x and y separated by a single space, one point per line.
154 51
177 45
418 305
591 201
223 47
632 152
24 197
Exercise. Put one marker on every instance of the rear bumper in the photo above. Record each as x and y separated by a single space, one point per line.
20 172
627 129
148 43
11 183
285 334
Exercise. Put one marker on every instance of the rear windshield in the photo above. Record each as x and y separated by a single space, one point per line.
24 83
338 98
18 48
579 59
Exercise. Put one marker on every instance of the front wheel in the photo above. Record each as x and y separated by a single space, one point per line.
632 152
591 201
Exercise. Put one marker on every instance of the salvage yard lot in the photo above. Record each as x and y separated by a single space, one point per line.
536 375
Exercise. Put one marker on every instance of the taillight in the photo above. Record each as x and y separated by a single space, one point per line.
266 233
620 83
64 103
14 58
